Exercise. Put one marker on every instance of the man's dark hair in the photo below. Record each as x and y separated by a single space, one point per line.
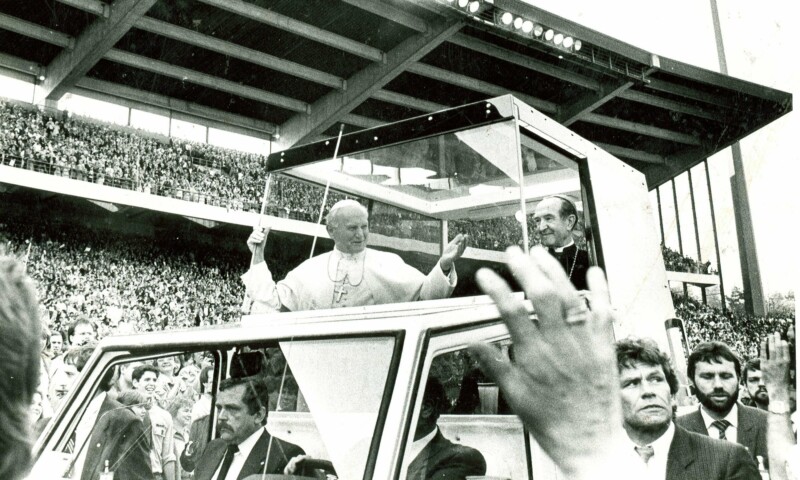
131 398
567 208
204 378
256 393
20 344
78 356
436 397
712 352
750 365
633 350
80 321
139 371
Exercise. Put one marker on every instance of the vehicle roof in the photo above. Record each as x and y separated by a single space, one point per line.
415 317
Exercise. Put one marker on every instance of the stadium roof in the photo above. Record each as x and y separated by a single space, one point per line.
295 69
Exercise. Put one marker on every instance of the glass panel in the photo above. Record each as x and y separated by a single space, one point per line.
143 415
439 176
474 425
341 384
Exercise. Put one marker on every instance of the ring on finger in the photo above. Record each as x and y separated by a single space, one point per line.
576 314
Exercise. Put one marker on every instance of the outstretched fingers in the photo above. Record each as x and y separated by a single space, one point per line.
512 309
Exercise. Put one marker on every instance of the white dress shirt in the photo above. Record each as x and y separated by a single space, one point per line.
656 468
241 456
732 417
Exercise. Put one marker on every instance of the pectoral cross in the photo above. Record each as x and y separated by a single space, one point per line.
339 292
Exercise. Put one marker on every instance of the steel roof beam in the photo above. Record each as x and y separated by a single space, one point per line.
256 57
569 114
641 129
21 65
34 30
480 46
268 17
668 104
361 121
333 106
407 101
164 105
71 65
92 6
205 80
691 94
632 154
476 85
389 12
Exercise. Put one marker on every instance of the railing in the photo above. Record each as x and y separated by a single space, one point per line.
189 195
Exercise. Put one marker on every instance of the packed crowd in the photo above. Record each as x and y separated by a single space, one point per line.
114 278
742 332
61 145
675 262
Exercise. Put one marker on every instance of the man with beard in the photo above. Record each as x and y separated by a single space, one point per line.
714 371
658 448
757 395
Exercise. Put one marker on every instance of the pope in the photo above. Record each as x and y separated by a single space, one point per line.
349 275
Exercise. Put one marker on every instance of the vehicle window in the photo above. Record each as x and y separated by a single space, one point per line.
138 419
464 427
323 396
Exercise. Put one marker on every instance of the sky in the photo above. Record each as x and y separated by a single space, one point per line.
760 40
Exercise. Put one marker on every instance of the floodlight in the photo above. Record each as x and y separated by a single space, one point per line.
578 45
538 30
548 35
463 3
518 22
474 6
568 42
558 38
527 26
506 18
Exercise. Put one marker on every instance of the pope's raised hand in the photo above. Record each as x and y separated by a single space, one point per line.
563 382
453 251
256 243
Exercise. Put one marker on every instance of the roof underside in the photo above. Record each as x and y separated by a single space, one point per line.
299 68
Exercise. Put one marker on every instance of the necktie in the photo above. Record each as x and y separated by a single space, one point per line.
721 425
226 462
645 452
148 431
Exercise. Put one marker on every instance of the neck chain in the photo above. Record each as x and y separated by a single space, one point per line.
346 278
574 261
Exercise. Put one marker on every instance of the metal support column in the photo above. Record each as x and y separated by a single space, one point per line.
716 238
680 236
660 216
696 231
745 236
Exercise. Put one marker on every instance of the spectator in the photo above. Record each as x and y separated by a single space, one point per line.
20 330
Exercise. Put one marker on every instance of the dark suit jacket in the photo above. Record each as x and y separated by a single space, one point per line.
118 436
751 429
580 259
281 453
693 456
442 459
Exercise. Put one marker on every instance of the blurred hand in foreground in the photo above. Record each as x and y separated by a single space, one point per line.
563 382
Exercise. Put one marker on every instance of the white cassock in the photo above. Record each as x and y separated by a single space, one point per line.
336 279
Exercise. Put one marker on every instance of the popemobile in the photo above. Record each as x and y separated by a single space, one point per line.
346 385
